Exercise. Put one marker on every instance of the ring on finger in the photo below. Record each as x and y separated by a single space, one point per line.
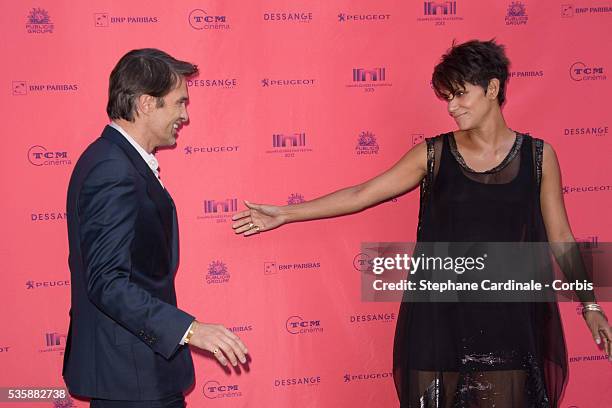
251 225
215 351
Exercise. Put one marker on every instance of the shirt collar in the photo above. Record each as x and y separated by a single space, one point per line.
149 158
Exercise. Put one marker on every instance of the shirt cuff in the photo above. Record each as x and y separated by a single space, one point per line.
182 342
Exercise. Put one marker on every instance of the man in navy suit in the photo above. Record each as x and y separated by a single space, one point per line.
127 340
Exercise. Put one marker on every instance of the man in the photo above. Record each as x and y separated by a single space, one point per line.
126 342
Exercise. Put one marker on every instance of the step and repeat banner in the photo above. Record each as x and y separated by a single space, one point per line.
294 99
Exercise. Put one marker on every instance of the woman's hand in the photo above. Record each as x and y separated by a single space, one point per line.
600 329
258 218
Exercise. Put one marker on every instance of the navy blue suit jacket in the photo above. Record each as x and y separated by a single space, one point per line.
125 328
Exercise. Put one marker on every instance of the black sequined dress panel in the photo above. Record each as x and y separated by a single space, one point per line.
480 354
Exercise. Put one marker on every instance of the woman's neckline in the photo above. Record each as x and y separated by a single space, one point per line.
516 146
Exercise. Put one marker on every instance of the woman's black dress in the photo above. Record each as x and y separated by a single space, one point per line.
480 354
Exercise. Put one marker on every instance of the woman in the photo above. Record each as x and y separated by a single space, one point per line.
481 183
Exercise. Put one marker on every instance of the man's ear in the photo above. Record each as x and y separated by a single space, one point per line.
145 104
493 88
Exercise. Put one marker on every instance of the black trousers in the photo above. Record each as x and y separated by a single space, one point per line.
173 401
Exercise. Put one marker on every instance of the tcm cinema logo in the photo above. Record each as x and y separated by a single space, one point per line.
362 262
586 131
295 198
579 71
213 83
46 284
292 82
54 342
516 14
40 156
21 88
586 189
107 20
527 74
297 381
215 390
439 12
367 376
48 216
217 273
369 79
362 18
569 10
294 17
297 325
219 210
189 150
39 22
366 144
201 20
372 318
289 144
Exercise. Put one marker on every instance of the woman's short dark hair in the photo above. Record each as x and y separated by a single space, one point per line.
147 71
475 62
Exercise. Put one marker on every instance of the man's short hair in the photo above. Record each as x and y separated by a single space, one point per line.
147 71
475 62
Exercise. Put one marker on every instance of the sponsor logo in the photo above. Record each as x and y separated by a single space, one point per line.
48 216
64 403
47 284
366 143
297 325
21 88
586 189
40 156
295 381
439 12
362 262
369 79
288 144
214 389
270 268
270 83
54 342
223 83
295 198
516 14
4 349
210 149
348 17
39 22
582 72
295 17
526 74
241 329
273 267
106 20
366 376
373 317
569 10
589 357
417 138
201 20
591 131
219 210
217 273
588 242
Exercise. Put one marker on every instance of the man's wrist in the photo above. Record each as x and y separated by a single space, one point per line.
188 334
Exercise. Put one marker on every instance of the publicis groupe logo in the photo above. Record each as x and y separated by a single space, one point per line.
579 71
527 74
372 318
213 83
295 198
214 390
290 17
217 273
362 18
54 342
64 403
587 131
297 325
516 14
273 267
439 12
297 381
194 150
219 210
287 82
366 143
48 216
39 156
103 20
201 20
39 22
369 79
351 377
61 283
289 144
569 10
587 188
21 88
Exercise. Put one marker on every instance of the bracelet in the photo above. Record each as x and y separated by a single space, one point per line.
188 337
592 307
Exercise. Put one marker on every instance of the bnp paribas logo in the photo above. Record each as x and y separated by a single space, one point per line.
39 22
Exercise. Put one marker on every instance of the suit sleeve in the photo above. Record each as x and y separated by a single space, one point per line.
108 209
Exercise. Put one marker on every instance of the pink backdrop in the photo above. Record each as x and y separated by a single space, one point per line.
283 68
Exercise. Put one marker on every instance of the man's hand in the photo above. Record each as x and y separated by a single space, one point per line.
218 340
